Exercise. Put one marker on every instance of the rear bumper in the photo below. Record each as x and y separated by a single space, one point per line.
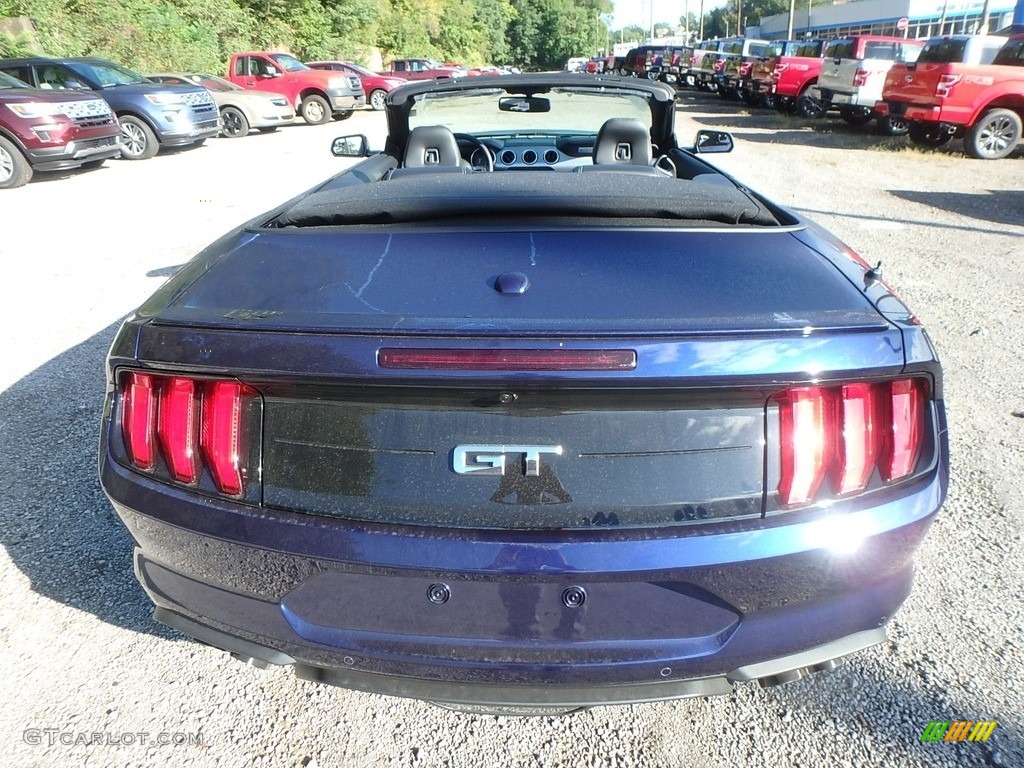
662 616
841 99
926 113
950 120
494 696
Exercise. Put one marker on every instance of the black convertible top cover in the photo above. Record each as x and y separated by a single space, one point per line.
604 195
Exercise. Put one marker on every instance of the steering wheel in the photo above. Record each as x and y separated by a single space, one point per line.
487 153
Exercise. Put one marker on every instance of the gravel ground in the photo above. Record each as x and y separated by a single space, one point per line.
90 679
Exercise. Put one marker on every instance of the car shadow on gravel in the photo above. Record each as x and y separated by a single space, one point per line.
55 521
886 702
889 221
1000 206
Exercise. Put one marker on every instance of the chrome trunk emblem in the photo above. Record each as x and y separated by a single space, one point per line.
492 459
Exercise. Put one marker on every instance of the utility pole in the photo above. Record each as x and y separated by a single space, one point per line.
701 33
942 21
984 19
792 10
739 16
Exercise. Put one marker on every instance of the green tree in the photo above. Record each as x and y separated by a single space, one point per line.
629 34
524 32
12 46
545 33
494 17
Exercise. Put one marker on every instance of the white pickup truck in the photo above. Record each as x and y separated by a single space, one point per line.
853 74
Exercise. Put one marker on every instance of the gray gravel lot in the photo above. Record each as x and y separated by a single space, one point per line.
83 660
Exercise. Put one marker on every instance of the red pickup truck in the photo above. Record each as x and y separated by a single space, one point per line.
316 95
792 70
952 90
421 69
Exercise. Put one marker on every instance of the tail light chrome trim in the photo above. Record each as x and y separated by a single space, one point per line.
844 433
191 424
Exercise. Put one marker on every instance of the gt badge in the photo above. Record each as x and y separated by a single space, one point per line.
492 459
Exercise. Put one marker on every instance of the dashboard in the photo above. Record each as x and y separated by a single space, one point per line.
528 152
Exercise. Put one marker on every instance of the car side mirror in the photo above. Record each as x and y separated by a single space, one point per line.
351 146
273 72
708 141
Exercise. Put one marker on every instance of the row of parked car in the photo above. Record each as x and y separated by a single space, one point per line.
63 113
962 86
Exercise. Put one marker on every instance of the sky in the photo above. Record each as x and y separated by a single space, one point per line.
639 11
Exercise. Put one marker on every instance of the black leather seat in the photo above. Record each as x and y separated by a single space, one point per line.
432 146
623 144
431 149
623 141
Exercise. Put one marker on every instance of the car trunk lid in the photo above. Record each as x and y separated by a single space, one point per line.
563 284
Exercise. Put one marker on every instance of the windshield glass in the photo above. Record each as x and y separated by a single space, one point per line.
359 70
288 63
214 83
839 49
570 111
943 51
6 82
808 50
1011 54
106 74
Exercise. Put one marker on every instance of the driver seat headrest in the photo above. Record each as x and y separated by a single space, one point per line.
431 146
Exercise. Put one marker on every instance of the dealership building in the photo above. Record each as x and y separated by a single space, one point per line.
924 18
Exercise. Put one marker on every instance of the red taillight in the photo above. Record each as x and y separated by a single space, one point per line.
945 85
905 429
176 427
222 417
138 409
509 359
844 433
190 423
803 416
860 78
778 70
745 68
857 446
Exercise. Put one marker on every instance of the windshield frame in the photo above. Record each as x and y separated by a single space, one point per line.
474 112
280 58
91 69
659 98
9 82
222 85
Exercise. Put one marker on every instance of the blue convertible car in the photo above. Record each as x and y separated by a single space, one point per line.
533 410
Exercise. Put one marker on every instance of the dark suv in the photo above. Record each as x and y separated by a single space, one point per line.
42 131
152 115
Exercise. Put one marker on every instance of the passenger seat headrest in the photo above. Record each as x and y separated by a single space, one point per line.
623 141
